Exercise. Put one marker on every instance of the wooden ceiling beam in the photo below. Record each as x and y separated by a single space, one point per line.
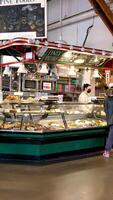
104 12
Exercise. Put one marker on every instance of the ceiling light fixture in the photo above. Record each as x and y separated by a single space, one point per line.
103 53
72 71
44 69
46 43
79 61
93 50
68 54
7 71
71 47
37 42
59 45
82 49
22 69
96 74
96 59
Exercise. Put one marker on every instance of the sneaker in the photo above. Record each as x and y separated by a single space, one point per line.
106 154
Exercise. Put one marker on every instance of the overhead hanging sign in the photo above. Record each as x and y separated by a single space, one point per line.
23 18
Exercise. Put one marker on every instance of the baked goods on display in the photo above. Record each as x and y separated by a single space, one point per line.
73 112
86 123
28 100
10 125
56 124
35 127
12 110
99 113
43 98
12 98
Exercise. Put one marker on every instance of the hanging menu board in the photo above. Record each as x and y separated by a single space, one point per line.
23 18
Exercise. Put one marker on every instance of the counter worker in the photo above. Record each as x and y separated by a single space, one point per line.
85 99
84 96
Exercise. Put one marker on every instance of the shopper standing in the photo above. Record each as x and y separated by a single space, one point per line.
109 117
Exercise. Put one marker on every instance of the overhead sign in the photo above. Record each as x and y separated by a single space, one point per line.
23 18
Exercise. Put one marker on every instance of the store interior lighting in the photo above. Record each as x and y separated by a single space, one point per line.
7 71
103 53
79 61
72 71
96 59
44 69
93 50
22 69
68 54
96 74
71 47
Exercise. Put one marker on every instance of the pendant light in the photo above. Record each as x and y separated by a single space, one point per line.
96 74
22 69
7 71
72 71
44 69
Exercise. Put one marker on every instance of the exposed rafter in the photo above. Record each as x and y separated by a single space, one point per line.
103 10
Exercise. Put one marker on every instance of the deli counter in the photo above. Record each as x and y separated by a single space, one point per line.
47 130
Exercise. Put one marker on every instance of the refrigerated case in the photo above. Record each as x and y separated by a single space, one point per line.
44 131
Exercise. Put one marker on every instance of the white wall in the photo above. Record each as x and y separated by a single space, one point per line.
74 33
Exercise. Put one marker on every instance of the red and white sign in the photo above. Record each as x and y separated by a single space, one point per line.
107 73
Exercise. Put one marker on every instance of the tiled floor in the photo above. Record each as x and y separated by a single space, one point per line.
86 179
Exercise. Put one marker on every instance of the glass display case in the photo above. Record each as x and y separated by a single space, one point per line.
49 115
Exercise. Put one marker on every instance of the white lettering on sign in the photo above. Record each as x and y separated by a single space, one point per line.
18 2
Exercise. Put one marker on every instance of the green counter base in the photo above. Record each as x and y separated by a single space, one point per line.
43 148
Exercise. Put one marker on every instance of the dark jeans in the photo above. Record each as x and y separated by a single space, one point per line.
109 142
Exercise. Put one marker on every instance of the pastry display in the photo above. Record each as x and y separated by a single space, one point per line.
76 112
31 116
31 100
80 123
13 110
12 98
28 100
56 124
44 98
10 125
35 127
99 113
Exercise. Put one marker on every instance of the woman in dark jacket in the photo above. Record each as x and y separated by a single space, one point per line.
108 105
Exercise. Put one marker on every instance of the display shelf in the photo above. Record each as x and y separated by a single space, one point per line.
44 135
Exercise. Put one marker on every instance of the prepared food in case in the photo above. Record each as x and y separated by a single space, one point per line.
80 123
12 98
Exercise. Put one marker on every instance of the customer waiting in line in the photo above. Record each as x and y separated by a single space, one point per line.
109 117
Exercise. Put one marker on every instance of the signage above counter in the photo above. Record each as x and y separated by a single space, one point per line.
52 53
